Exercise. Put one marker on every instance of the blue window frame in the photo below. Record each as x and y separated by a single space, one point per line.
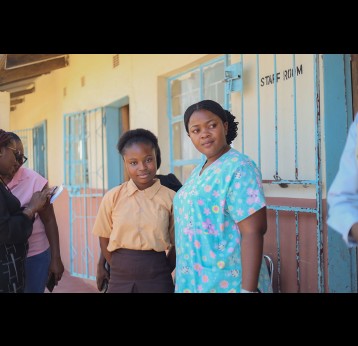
34 141
206 81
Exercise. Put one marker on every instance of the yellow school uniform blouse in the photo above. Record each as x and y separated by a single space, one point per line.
137 219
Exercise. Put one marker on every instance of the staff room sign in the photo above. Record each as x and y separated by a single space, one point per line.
283 75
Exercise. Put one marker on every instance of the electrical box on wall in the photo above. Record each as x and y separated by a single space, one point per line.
233 78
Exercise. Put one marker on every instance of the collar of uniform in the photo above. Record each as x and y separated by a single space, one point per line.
150 191
19 175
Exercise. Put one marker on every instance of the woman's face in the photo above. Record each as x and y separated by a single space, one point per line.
208 133
20 150
8 163
141 164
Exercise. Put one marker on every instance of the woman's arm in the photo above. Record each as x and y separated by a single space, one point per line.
47 216
171 256
102 272
14 228
252 231
17 227
103 242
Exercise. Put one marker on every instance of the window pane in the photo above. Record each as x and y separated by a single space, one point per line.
205 82
214 87
184 92
67 151
76 135
26 136
78 174
95 147
183 148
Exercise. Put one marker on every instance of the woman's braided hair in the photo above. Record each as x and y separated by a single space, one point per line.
215 108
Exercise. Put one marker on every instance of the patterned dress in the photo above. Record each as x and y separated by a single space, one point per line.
206 210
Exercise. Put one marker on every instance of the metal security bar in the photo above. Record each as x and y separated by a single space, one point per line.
26 136
276 99
205 81
86 181
281 140
34 141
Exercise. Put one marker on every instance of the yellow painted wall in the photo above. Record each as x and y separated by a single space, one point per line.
4 110
141 77
135 77
61 92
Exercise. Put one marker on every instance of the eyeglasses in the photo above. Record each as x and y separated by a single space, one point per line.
20 158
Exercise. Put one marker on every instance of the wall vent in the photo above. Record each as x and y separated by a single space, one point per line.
115 60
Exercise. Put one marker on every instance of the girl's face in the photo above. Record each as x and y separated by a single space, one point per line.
8 163
208 133
141 164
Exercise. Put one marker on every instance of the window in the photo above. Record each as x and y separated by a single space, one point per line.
203 82
35 148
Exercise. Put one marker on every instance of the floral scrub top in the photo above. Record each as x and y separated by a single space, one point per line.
207 238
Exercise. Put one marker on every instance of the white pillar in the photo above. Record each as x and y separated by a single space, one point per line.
5 111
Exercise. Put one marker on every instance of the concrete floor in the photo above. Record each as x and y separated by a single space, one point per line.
72 284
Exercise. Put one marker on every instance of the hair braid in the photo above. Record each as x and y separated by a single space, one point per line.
231 128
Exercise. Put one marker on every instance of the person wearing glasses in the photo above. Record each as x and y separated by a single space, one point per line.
16 222
43 257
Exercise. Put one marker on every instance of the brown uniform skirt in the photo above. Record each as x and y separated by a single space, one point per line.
140 271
